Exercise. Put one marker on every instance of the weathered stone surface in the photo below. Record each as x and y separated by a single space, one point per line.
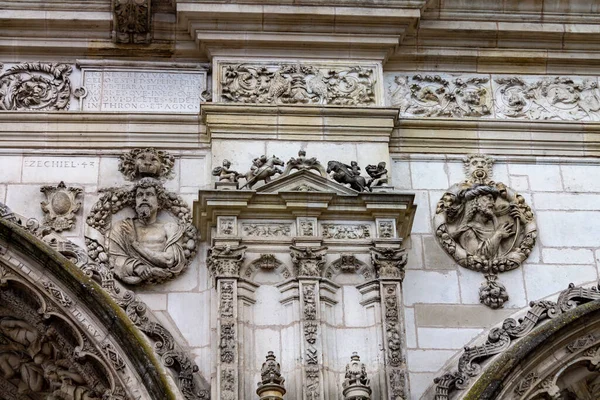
458 316
431 287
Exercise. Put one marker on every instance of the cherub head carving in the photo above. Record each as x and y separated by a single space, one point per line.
149 162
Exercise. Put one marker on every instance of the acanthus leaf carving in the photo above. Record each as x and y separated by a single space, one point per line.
346 231
389 262
132 21
308 261
225 260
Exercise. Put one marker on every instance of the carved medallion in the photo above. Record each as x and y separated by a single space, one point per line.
60 206
485 226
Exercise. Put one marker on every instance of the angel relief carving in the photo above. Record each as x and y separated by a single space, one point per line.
485 226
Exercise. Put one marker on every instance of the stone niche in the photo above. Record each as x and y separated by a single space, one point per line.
310 270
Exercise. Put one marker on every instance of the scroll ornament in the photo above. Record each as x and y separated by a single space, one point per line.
485 226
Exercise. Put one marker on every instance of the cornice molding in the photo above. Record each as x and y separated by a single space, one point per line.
510 138
35 130
306 123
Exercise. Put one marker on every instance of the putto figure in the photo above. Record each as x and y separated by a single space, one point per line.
485 226
225 174
378 175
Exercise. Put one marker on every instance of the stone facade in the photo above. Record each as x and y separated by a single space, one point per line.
250 179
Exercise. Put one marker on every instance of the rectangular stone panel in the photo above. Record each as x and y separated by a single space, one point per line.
55 169
134 90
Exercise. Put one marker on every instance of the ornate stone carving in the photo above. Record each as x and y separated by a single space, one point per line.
227 342
226 304
267 262
60 206
558 98
347 174
132 21
348 264
310 321
148 162
386 228
271 385
398 384
262 169
226 174
346 231
304 188
143 249
297 84
526 383
266 230
58 294
581 343
500 339
308 261
356 385
392 326
225 260
228 384
35 87
389 262
436 96
378 175
227 226
307 226
485 226
304 164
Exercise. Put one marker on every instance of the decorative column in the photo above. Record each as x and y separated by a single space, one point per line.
308 263
356 386
271 382
224 262
389 263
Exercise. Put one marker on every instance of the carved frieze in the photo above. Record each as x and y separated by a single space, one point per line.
346 231
36 87
485 226
132 21
60 206
308 261
298 83
566 98
266 230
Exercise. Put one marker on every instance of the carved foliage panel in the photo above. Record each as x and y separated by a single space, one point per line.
567 98
292 82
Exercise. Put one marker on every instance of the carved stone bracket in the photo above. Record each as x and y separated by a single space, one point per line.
60 206
485 226
132 21
389 262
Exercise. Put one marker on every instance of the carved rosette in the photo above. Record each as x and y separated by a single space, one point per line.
485 226
60 206
35 87
288 83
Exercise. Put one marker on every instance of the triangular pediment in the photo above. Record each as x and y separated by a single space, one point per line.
305 181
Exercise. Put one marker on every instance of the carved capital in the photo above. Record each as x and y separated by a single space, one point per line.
389 262
308 261
225 261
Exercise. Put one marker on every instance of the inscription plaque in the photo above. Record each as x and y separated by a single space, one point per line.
143 91
55 169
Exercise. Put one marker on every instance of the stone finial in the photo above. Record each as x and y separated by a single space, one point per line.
356 384
271 382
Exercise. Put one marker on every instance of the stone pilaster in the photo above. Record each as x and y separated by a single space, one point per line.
389 262
225 262
309 263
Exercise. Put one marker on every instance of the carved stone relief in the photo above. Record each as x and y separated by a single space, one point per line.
148 162
564 98
266 230
142 249
227 226
348 264
396 364
271 385
485 226
311 328
60 206
263 169
132 21
346 231
389 262
500 339
308 261
296 83
356 385
306 226
225 260
302 163
36 87
386 228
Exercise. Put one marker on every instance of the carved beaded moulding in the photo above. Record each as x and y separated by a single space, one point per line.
485 226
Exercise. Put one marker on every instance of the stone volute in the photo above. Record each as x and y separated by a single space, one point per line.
271 382
356 386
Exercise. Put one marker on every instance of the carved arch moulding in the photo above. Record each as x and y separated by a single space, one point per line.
68 331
